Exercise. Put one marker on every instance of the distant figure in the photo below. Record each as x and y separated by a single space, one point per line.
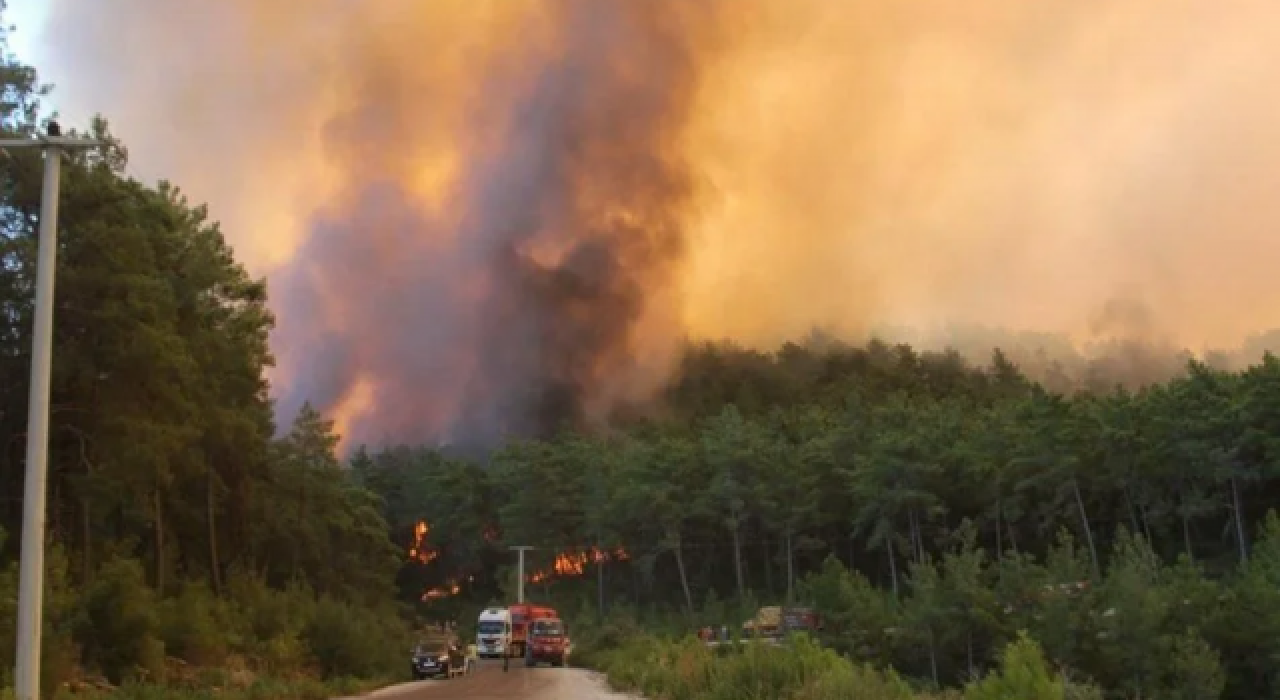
472 655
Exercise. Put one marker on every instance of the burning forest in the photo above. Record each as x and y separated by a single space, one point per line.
565 564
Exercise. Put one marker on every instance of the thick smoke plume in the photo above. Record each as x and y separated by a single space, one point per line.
490 216
531 296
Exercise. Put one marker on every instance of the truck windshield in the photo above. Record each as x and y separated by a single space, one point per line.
491 627
548 628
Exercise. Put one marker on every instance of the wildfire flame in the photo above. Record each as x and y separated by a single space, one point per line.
450 588
420 551
573 563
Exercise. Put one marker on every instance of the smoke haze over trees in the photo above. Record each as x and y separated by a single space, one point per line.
745 170
929 507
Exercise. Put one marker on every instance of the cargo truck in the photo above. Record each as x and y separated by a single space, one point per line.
522 617
493 632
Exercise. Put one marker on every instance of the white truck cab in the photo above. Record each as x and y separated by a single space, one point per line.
493 632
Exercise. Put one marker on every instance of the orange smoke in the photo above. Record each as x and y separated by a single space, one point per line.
494 214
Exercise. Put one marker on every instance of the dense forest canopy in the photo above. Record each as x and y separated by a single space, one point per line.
930 507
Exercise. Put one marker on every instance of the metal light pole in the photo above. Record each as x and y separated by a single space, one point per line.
31 567
520 585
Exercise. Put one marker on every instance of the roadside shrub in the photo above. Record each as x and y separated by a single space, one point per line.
195 626
118 628
350 641
1023 675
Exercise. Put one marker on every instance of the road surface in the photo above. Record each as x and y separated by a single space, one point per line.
490 682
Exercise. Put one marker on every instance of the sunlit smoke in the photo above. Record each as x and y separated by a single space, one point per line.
491 216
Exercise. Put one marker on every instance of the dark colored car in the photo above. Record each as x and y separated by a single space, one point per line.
548 643
435 660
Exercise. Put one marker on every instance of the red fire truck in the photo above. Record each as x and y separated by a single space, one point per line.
522 616
548 642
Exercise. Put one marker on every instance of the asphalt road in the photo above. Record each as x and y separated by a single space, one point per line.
490 682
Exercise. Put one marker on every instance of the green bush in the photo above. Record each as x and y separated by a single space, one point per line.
118 626
348 641
195 626
1023 675
802 670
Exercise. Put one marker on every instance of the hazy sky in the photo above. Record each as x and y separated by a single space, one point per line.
29 16
1091 167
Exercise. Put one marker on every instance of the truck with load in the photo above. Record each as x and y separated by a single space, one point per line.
774 623
493 632
770 625
522 617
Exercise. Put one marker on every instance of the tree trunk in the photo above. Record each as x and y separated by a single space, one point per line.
215 567
767 564
1186 526
1088 531
599 562
933 659
86 555
999 540
914 533
684 578
55 512
1146 524
302 522
737 563
159 540
893 566
1239 518
1133 512
968 644
791 570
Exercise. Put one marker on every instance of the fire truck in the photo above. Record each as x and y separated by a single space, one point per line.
522 617
548 642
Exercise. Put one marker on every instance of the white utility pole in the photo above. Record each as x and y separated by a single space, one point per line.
31 567
520 586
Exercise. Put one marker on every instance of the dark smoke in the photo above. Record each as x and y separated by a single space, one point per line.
517 312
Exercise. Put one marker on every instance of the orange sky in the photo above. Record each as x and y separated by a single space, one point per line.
853 164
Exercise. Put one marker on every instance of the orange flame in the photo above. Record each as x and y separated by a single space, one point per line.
450 588
573 563
420 551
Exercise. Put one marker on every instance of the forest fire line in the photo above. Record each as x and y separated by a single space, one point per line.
567 563
573 563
